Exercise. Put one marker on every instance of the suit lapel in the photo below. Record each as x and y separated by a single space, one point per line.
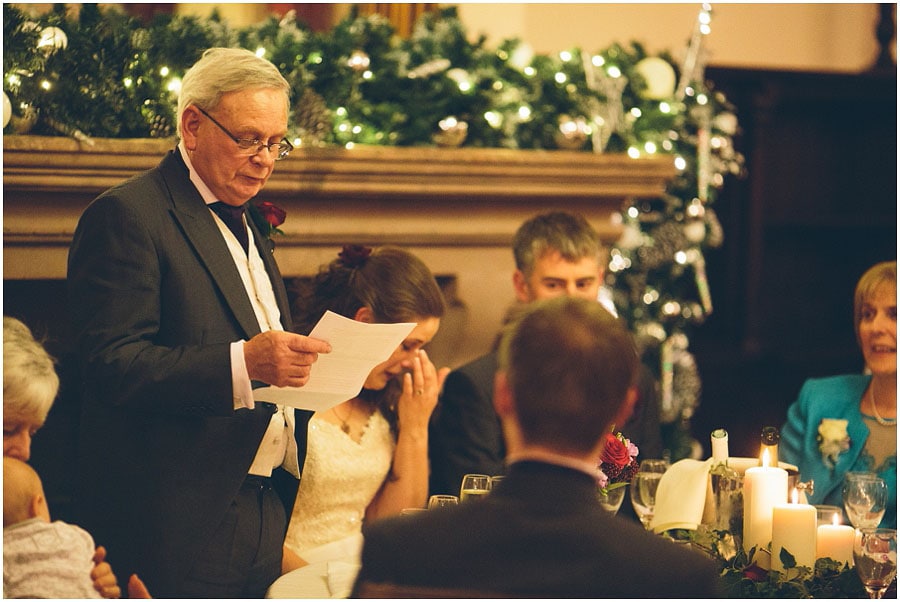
856 430
190 212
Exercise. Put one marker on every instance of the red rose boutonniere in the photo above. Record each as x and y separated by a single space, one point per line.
267 218
618 464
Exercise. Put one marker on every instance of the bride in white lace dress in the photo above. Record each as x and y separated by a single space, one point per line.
368 457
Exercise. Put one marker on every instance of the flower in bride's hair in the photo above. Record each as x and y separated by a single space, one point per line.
354 256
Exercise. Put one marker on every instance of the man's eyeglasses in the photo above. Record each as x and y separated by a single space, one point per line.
251 146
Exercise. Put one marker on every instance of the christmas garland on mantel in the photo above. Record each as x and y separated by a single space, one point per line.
105 74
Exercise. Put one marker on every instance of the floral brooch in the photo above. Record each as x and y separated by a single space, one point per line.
267 217
833 439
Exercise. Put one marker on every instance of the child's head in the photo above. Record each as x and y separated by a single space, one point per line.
23 494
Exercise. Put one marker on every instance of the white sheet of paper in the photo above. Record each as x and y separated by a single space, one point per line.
356 348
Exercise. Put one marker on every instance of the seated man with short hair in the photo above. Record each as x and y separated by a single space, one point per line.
567 372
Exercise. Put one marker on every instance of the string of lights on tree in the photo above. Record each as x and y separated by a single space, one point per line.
104 74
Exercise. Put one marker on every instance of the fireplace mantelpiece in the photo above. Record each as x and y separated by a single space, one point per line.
456 208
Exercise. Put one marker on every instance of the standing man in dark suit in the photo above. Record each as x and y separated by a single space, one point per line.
556 254
175 314
541 532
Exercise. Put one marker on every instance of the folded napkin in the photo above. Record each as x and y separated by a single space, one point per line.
341 576
681 496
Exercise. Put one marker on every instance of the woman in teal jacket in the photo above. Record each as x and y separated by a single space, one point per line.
849 423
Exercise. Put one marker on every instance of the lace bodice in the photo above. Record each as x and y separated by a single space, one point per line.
340 478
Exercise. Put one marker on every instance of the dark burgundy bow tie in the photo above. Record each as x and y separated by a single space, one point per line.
233 218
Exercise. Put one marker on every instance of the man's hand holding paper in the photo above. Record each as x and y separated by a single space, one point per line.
356 348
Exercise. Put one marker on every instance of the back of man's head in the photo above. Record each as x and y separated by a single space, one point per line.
568 233
569 365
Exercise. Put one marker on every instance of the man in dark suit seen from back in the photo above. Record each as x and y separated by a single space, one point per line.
556 253
567 371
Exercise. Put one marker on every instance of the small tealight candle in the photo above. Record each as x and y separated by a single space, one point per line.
794 529
764 487
835 541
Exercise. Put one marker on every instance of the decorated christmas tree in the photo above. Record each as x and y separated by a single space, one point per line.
105 74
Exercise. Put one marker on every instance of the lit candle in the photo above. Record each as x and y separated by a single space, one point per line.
794 529
835 541
764 487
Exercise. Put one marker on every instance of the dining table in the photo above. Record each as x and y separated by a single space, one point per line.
330 573
322 580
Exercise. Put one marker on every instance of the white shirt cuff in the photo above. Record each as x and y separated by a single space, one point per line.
240 379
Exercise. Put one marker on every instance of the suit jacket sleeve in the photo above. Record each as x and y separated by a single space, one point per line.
465 431
116 278
794 430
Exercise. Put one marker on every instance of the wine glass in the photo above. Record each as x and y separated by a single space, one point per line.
643 489
875 555
474 486
865 496
442 501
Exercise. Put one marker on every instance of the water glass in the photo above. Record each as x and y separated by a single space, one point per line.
474 486
825 515
411 511
875 555
442 501
865 496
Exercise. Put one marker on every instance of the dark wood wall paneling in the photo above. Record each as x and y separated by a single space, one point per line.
817 208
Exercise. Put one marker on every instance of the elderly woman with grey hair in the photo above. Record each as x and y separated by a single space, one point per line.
30 385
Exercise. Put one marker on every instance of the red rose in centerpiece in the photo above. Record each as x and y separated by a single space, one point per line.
615 452
618 463
755 573
273 214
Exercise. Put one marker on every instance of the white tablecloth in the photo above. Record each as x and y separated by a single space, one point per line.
330 573
326 579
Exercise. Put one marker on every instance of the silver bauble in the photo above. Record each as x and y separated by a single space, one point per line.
659 76
451 132
572 133
359 61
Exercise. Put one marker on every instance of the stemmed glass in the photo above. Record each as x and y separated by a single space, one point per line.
474 486
875 555
643 489
865 496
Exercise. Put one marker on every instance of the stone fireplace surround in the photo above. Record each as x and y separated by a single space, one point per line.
456 208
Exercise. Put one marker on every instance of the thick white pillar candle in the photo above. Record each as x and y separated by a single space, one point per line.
794 529
835 541
764 486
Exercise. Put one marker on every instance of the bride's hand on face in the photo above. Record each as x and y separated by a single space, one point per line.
420 392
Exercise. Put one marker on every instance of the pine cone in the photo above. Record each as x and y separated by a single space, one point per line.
312 118
160 127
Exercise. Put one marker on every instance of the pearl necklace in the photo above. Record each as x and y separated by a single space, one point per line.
875 414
